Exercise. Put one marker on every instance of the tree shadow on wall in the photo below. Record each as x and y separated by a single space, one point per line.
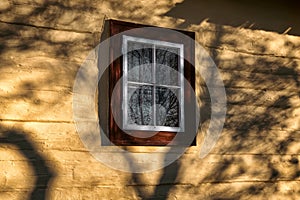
243 127
37 162
261 99
258 137
161 189
27 47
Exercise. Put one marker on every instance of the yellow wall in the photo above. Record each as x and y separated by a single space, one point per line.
43 43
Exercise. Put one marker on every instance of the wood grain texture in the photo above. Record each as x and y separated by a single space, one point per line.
42 45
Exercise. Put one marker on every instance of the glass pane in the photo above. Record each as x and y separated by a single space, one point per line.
140 105
167 64
139 62
167 106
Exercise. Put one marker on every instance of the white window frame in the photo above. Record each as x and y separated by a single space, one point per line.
154 43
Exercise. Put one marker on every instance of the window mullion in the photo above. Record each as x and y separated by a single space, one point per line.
154 84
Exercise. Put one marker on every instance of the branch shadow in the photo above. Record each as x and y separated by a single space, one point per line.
243 127
42 171
162 188
271 90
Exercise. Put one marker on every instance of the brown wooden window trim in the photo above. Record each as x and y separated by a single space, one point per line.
162 138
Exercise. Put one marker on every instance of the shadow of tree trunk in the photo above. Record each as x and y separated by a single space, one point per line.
162 187
42 171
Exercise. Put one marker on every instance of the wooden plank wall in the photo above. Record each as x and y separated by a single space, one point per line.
43 43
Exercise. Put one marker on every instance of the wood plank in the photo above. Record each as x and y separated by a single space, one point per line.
62 15
239 61
247 117
24 42
256 42
257 81
242 118
255 141
271 82
40 69
256 97
237 190
36 105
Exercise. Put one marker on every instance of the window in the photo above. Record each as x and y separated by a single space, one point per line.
153 97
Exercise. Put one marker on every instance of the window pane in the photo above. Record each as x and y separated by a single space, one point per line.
139 62
167 64
167 106
140 105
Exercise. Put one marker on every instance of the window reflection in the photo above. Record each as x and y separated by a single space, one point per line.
141 106
167 107
167 65
140 54
140 110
